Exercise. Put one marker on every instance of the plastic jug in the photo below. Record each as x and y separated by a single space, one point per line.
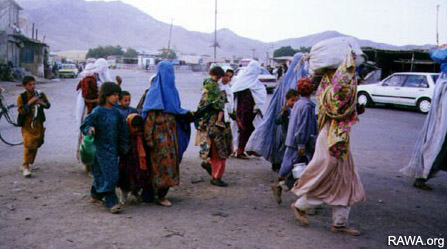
88 150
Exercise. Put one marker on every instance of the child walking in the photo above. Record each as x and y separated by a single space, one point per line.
282 119
301 135
133 175
30 106
109 128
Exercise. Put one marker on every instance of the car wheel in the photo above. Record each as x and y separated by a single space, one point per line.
424 105
364 99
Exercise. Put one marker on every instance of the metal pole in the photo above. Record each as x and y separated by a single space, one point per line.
215 30
170 33
437 25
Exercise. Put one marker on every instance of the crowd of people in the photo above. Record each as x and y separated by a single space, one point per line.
139 150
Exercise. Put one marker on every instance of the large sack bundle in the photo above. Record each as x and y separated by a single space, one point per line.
330 53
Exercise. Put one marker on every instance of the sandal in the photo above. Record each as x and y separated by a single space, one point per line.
299 215
116 209
345 230
276 188
421 185
164 202
242 156
95 201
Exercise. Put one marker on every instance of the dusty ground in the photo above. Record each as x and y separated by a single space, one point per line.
50 209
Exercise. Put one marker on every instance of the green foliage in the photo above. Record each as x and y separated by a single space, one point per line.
131 53
167 54
304 49
289 51
103 52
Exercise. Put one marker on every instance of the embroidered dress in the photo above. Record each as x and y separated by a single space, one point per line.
165 132
160 134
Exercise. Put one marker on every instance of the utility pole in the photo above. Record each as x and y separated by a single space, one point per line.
215 29
170 34
253 55
437 25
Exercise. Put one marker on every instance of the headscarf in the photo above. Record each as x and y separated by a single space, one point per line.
266 139
102 68
432 137
138 133
163 94
89 70
304 86
248 78
337 97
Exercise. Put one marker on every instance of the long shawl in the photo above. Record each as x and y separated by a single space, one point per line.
265 140
432 136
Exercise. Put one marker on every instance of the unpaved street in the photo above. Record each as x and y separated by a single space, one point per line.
50 210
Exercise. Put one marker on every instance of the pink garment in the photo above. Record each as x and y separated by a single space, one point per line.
217 163
333 180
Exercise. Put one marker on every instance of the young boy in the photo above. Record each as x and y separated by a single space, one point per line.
301 134
124 106
30 106
282 119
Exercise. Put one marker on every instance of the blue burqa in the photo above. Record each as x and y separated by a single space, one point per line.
163 96
266 139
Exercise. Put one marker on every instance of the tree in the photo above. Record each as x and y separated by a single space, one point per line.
284 51
304 49
168 54
103 52
131 53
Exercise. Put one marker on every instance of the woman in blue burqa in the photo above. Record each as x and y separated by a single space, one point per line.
430 152
167 132
266 139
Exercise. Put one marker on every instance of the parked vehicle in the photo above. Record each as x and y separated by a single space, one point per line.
407 89
68 71
265 77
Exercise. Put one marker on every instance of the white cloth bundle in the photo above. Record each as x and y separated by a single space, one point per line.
330 53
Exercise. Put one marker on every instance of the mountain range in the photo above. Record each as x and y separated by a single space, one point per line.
80 25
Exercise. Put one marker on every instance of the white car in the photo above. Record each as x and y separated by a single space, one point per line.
408 89
265 77
68 71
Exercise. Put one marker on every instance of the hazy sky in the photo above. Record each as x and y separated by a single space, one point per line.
398 22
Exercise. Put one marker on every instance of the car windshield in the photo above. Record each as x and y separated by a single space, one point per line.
435 77
68 66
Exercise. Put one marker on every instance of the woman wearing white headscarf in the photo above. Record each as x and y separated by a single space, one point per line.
250 100
102 68
87 96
